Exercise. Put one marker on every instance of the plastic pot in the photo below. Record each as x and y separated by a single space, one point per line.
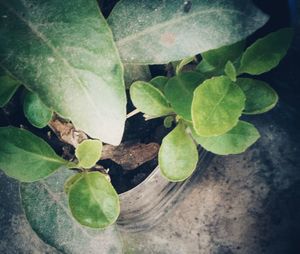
143 206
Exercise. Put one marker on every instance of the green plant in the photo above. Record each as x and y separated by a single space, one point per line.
206 104
68 62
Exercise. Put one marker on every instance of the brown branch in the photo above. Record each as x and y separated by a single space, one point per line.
129 156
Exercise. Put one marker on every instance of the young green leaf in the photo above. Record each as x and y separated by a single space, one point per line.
266 53
8 87
149 100
217 105
260 97
64 51
178 155
158 32
230 71
88 152
46 208
235 141
35 110
219 57
179 92
168 121
93 200
25 156
159 82
183 63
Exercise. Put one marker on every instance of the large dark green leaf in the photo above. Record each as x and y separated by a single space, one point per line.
162 31
25 156
179 92
235 141
64 51
260 96
93 200
46 208
266 53
217 105
178 155
219 57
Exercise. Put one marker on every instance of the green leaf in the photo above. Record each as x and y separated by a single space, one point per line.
183 63
158 32
235 141
219 57
230 71
35 110
149 99
178 155
64 51
205 67
179 92
217 105
93 200
70 181
133 72
88 152
168 121
8 87
260 97
266 53
46 207
25 156
159 82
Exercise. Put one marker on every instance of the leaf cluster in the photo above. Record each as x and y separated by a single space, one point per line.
206 105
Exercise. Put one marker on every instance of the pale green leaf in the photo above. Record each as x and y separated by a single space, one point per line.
157 32
179 92
230 71
64 51
235 141
149 99
8 87
219 57
25 156
46 207
266 53
93 200
88 152
35 110
260 97
217 105
178 155
159 82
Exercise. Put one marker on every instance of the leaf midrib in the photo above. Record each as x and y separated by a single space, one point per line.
41 157
218 103
55 52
